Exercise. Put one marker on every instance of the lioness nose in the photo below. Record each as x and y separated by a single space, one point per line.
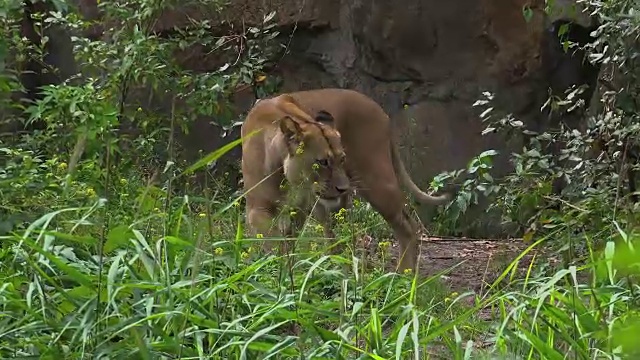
342 189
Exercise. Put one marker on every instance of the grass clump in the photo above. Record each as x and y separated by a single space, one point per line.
176 282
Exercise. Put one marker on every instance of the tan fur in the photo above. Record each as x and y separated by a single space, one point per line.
290 145
372 161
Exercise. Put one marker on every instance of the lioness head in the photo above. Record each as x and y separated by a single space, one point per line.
315 158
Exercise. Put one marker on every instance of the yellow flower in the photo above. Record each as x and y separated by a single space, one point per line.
218 251
123 181
315 166
384 244
356 202
300 149
250 249
314 246
91 192
408 271
259 236
292 213
202 215
340 214
156 210
139 108
244 255
454 294
319 227
62 165
235 204
446 300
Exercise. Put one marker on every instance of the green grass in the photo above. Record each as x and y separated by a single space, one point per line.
153 274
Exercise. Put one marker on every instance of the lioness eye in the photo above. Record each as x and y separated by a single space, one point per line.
323 162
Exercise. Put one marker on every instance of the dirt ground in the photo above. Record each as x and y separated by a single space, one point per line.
476 264
479 261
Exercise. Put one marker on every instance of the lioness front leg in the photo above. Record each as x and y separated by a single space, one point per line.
326 219
260 223
292 224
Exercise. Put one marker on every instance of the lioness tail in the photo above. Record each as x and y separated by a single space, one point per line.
420 195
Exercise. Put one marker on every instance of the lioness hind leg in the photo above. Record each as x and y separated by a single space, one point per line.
387 198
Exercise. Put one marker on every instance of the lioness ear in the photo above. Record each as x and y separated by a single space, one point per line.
291 129
324 117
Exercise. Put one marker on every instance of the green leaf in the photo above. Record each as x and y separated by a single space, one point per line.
118 237
215 155
265 331
71 272
325 334
177 241
375 330
401 336
84 240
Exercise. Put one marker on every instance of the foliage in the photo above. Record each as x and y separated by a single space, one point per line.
474 183
596 160
96 120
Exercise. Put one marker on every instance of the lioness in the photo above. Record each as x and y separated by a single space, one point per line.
347 143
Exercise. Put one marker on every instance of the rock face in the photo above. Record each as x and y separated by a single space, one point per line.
433 56
425 62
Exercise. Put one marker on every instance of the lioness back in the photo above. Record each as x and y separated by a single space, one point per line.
348 107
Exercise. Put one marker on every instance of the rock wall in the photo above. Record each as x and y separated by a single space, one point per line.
425 62
434 57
